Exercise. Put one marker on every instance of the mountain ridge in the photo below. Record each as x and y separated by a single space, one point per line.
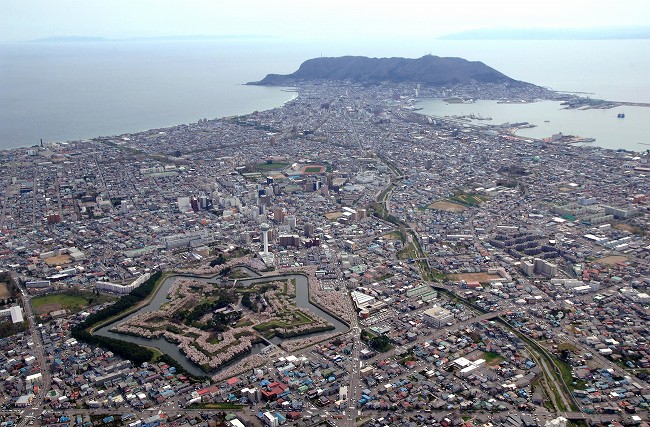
428 69
596 33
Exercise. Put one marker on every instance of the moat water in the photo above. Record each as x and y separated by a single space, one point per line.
302 301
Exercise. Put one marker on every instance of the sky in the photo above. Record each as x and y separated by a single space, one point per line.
305 19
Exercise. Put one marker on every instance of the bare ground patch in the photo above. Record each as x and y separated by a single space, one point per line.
393 235
4 291
333 215
612 260
48 308
444 205
474 277
58 260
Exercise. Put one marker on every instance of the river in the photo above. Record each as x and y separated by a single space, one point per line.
302 301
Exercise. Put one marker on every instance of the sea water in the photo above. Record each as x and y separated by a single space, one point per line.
68 91
550 117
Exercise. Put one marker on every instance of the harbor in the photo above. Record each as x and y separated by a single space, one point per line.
597 127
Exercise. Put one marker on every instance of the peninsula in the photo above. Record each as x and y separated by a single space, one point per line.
429 69
340 261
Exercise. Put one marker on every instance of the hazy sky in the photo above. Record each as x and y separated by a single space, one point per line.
321 19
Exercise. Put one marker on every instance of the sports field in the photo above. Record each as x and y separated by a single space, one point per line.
313 169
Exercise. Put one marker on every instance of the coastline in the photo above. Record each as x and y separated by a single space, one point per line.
599 126
294 94
114 103
470 112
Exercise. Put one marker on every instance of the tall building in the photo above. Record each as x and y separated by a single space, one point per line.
538 266
265 236
527 267
289 240
291 221
267 257
205 202
183 204
546 268
53 218
278 215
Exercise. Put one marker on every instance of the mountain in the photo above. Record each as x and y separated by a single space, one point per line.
429 69
68 39
601 33
196 37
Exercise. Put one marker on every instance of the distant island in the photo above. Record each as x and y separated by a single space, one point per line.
602 33
429 70
191 37
68 39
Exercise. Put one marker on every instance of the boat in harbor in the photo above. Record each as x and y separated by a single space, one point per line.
621 115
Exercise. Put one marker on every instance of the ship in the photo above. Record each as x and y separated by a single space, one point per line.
621 115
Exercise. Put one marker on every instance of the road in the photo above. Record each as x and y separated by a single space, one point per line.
37 348
354 389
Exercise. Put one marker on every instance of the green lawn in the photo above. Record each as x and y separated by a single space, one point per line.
468 199
492 357
271 166
67 302
407 252
313 169
70 300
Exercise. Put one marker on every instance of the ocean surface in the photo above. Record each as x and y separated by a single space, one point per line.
69 91
549 117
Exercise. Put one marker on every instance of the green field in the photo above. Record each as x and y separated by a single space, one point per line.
491 357
313 169
65 301
271 166
468 199
287 320
408 251
71 301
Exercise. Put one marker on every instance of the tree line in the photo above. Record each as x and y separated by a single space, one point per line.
137 354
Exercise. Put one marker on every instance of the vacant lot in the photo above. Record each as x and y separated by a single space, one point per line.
611 260
447 206
58 260
333 215
474 277
393 235
4 291
632 229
